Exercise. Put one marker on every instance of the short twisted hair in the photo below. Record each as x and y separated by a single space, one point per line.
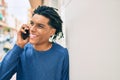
54 19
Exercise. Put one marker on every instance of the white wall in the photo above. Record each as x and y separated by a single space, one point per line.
93 39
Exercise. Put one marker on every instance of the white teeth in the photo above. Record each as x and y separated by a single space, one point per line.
32 36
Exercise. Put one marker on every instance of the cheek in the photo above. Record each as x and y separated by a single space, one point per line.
43 36
44 33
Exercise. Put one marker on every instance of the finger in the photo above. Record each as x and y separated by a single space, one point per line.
25 27
23 31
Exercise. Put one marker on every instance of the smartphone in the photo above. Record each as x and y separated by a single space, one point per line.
24 36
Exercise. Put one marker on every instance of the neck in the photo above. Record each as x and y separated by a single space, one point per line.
43 47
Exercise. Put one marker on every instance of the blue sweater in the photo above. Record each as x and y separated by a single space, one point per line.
30 64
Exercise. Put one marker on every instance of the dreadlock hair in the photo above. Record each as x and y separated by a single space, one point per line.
54 19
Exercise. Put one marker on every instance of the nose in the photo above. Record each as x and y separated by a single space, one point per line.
33 28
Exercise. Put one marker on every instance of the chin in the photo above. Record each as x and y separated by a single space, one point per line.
32 42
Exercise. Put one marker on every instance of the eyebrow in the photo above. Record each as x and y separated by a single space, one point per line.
37 23
40 24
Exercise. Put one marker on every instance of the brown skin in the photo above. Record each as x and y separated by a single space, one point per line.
40 32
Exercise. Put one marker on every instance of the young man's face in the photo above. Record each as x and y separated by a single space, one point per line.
40 31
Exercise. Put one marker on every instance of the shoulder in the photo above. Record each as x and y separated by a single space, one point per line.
60 49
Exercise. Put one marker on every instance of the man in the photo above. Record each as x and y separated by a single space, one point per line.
36 58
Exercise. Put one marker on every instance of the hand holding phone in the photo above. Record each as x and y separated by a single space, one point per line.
25 35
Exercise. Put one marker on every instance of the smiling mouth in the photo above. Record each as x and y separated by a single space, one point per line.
33 36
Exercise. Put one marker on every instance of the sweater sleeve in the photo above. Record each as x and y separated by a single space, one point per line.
9 63
65 72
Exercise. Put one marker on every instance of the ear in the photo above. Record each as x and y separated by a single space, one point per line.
52 32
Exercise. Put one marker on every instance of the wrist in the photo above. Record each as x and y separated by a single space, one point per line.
20 45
